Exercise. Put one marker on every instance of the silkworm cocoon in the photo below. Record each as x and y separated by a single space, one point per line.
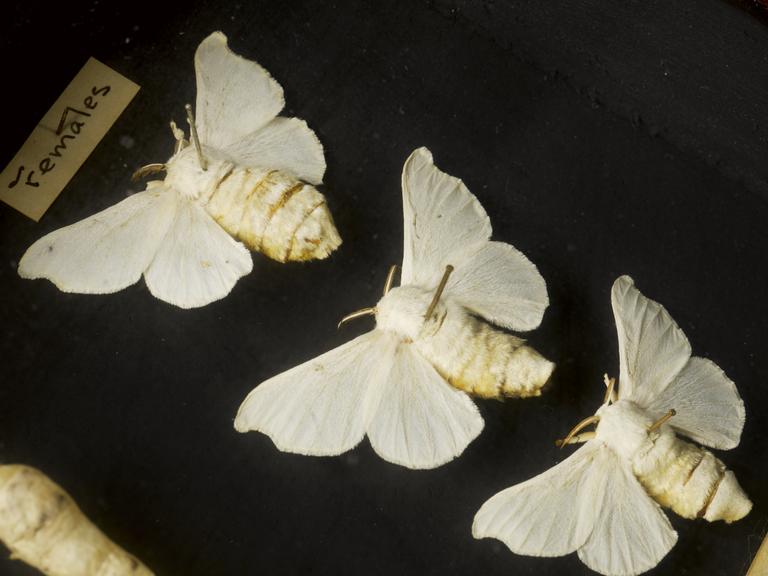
42 526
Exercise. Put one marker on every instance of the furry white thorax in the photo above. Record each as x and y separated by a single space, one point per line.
186 176
624 426
402 311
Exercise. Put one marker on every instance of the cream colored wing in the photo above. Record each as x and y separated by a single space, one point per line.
708 407
285 144
442 219
590 503
321 407
652 348
445 224
658 372
549 515
235 96
105 252
198 262
498 283
421 421
630 534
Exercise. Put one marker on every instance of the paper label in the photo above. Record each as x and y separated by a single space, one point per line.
64 138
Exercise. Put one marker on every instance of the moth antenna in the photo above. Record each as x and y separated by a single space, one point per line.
146 171
356 314
439 291
610 393
579 438
661 420
178 134
583 424
195 139
390 278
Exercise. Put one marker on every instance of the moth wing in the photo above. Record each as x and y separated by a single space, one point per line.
197 262
500 284
321 407
442 218
708 407
631 534
105 252
549 515
652 348
420 420
235 96
285 144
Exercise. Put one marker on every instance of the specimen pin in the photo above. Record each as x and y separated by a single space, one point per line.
390 278
661 420
439 291
195 139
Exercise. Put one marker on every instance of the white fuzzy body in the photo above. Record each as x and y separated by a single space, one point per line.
677 474
43 526
268 210
469 353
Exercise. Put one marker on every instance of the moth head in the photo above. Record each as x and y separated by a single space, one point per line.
149 169
621 423
573 436
406 310
187 177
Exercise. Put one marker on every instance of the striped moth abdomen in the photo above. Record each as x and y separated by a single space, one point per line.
690 480
469 353
481 360
270 211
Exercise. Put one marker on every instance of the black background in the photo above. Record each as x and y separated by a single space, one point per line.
602 139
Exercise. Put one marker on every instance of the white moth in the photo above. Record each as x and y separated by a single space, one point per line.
394 383
604 501
249 176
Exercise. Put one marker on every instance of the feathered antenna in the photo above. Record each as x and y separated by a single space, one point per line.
610 392
571 438
356 314
390 278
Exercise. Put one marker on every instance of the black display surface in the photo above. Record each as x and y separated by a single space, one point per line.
601 141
